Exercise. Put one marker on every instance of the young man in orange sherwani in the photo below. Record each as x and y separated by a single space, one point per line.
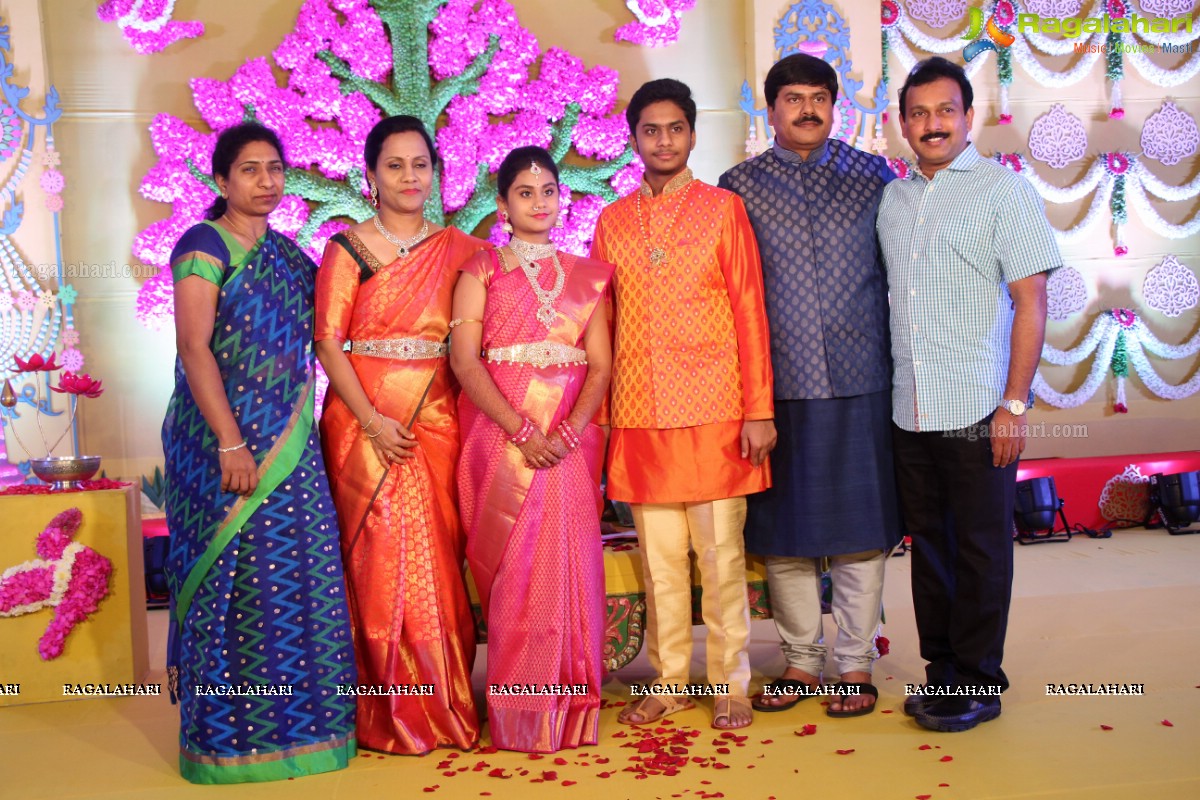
692 408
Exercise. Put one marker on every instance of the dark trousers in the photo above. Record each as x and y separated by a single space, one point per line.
958 509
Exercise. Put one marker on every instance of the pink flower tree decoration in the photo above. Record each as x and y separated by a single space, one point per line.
352 62
67 576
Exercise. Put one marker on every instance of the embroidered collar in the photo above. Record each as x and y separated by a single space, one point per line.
815 159
674 185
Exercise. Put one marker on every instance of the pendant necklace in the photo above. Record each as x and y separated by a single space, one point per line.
658 255
527 253
403 246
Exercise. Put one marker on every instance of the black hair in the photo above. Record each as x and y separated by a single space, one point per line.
229 147
401 123
519 160
657 91
930 70
803 69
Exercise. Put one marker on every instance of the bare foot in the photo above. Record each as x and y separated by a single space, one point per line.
792 674
849 703
731 712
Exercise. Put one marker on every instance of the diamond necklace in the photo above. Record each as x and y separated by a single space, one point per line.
527 253
657 254
403 246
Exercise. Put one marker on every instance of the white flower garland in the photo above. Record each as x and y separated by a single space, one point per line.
1159 76
1151 183
1137 198
1047 77
62 578
1102 340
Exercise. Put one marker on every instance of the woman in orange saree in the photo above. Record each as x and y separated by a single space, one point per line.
530 468
391 441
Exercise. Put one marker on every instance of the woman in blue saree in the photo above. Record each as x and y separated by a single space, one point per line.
259 646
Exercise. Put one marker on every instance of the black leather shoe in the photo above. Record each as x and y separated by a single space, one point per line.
959 713
916 703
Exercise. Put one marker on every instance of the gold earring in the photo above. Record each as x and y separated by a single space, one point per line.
507 226
558 223
374 194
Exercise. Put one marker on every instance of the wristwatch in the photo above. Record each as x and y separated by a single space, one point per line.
1014 407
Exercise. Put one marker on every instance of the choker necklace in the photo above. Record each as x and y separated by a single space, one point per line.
527 253
658 255
403 246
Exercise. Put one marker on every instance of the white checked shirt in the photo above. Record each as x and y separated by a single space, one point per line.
951 246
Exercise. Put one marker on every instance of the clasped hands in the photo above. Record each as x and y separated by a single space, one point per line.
543 452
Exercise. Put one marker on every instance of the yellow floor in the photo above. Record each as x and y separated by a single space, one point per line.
1123 610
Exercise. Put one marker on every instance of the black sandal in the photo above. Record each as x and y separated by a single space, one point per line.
797 690
863 688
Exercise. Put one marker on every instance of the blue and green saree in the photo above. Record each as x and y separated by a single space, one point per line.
260 638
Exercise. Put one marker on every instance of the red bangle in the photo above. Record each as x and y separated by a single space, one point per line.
524 434
569 436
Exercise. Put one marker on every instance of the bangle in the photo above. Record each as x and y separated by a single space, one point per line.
231 449
524 434
376 433
569 436
367 424
454 323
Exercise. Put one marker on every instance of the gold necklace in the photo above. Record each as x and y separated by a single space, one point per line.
658 255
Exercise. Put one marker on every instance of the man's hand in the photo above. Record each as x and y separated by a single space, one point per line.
758 439
1008 437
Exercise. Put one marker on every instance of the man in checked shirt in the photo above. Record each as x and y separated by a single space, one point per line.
967 248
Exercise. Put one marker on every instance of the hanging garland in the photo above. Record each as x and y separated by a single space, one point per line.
1120 340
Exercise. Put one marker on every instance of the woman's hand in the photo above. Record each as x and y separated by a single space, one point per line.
393 443
539 452
239 472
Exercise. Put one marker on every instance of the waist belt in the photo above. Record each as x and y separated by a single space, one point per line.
539 354
405 349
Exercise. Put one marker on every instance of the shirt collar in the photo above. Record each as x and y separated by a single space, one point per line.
963 162
815 158
675 184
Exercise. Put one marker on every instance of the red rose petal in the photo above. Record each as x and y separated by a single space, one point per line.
449 774
924 796
845 752
807 730
562 762
452 755
433 788
1106 727
943 785
498 772
550 776
1168 723
925 747
723 751
886 711
603 774
946 758
767 741
568 783
536 756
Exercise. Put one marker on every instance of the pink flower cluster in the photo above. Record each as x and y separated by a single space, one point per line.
69 577
147 24
657 23
323 126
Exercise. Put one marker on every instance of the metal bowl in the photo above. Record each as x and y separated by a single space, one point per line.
65 472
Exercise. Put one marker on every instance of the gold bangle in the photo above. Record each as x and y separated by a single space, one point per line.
367 424
454 323
376 433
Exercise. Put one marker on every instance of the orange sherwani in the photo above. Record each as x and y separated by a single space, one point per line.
691 351
691 363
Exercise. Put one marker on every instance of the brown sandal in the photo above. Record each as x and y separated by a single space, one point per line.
669 704
723 708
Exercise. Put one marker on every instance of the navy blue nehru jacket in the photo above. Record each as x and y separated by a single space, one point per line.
826 288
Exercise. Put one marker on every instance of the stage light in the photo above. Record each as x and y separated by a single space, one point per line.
1176 498
1037 505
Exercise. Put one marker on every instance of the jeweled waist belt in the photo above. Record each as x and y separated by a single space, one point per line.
539 354
405 349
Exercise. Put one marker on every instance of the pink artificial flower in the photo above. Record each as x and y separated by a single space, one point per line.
35 363
80 385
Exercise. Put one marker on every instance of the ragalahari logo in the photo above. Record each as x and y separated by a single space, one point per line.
997 37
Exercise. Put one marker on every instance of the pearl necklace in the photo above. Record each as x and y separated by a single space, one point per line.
403 246
527 253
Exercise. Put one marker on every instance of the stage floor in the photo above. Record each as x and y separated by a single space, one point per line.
1121 610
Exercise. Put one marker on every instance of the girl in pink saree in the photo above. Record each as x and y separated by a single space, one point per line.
529 471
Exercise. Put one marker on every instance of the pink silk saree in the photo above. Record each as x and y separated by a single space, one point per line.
533 536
